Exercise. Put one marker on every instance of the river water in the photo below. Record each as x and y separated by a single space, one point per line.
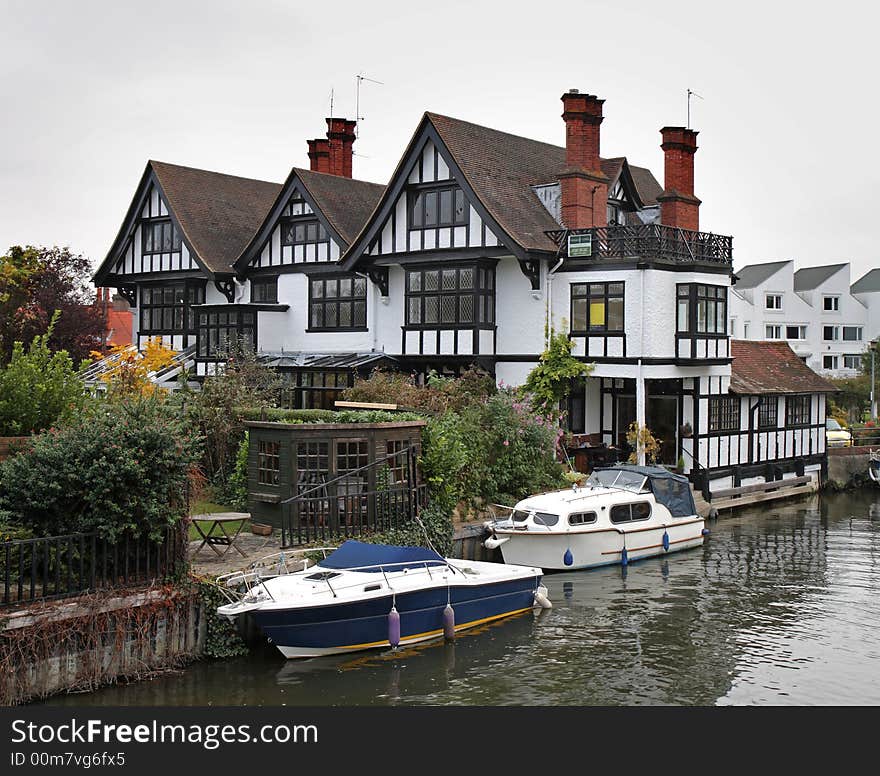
780 606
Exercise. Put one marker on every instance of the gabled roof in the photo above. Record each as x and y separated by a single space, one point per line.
500 169
344 203
753 275
808 278
867 283
217 214
772 367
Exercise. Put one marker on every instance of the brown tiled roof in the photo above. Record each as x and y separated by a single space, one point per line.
219 214
501 168
772 367
345 202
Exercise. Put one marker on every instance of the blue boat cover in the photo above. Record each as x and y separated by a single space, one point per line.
352 554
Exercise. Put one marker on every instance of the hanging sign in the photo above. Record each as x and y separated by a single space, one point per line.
580 245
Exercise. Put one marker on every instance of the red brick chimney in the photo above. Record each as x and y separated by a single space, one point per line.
319 155
340 137
678 205
584 187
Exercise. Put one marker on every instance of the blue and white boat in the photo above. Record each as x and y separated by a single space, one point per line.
373 596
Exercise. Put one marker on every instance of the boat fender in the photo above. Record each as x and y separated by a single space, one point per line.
665 541
494 542
449 622
541 598
568 558
624 558
705 532
394 627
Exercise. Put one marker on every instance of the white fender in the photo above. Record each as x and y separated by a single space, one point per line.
493 542
541 598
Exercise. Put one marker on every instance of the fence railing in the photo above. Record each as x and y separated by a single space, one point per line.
355 502
53 567
654 241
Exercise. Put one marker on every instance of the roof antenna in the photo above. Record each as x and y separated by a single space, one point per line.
690 94
357 100
331 101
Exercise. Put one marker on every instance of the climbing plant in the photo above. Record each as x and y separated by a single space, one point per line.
550 382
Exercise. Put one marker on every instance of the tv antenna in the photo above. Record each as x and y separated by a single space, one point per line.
691 93
357 99
331 101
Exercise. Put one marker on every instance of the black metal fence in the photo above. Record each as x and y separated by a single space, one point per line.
364 500
53 567
655 241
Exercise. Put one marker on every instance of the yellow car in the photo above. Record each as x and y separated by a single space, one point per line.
836 435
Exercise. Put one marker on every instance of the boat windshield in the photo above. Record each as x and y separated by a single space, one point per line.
541 518
618 478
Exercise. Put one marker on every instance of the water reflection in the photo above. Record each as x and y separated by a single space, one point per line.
779 606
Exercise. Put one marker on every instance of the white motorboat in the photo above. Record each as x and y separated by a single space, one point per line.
367 596
621 514
874 466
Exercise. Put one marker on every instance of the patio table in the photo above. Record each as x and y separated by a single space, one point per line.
217 535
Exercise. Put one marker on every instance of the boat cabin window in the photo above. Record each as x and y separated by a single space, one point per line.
581 518
618 478
541 518
625 513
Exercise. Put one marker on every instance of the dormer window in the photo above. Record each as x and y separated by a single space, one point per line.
618 205
303 231
160 236
437 206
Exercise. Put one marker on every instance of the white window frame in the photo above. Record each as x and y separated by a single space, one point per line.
835 330
861 332
802 332
768 306
835 298
776 328
857 356
835 362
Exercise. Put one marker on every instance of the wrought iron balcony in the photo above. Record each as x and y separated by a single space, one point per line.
654 242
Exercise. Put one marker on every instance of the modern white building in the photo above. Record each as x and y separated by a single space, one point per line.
480 240
827 321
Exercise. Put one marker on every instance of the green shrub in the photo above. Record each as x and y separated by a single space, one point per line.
119 467
236 494
441 394
278 415
38 388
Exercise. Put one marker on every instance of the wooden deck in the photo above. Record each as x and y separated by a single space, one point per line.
728 499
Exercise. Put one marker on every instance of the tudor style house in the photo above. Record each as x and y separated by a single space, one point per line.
480 242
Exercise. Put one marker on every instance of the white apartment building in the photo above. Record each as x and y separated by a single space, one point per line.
824 319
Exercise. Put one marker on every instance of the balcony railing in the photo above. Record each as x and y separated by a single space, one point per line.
652 241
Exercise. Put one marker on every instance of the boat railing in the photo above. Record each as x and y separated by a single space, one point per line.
237 584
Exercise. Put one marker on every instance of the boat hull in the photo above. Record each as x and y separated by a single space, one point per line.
352 626
598 547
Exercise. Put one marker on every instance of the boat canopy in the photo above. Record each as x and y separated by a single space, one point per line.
670 489
375 557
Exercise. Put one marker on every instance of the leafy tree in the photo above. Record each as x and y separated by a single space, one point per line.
38 388
217 411
550 382
34 283
130 373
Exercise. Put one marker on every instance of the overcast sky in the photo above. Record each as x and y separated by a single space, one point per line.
788 159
